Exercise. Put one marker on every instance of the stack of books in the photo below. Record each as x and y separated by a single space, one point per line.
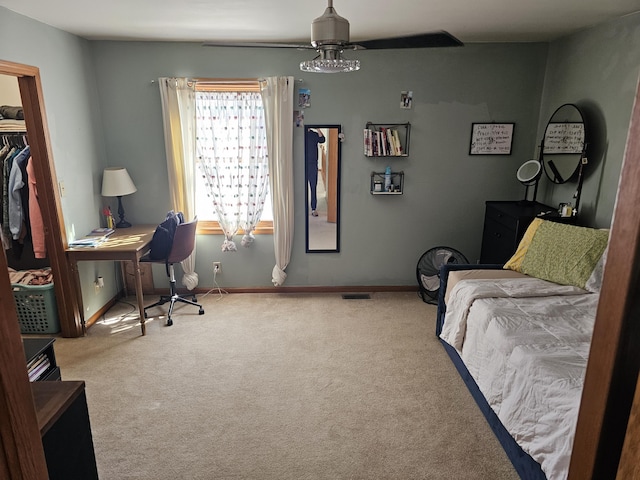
96 237
384 142
38 366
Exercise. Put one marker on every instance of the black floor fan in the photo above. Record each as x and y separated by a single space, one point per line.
428 270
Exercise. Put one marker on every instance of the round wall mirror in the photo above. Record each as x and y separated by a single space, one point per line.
563 144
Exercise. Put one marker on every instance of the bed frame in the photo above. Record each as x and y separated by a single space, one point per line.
525 465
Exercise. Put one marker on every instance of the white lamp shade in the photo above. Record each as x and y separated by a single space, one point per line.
117 182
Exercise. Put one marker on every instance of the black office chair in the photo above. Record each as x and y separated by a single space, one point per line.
184 241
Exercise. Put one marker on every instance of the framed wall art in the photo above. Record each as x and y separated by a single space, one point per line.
491 138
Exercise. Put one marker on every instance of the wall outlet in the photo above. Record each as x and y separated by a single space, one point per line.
217 267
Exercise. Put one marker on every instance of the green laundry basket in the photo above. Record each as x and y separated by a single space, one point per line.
36 307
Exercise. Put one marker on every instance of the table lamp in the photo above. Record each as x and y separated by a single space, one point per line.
116 182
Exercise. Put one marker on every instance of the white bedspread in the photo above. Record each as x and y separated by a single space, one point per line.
525 343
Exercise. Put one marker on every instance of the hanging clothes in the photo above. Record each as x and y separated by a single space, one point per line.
35 215
15 206
16 182
7 162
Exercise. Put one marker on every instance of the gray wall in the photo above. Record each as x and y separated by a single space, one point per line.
596 69
382 237
72 108
103 109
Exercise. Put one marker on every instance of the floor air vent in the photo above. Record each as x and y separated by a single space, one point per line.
356 296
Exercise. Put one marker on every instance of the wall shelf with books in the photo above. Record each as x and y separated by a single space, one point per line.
386 139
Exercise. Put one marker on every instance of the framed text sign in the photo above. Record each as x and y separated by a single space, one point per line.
564 137
491 138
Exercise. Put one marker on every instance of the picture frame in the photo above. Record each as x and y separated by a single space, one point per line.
406 99
491 138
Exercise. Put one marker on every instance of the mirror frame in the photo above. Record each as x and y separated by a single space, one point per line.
546 159
335 211
531 180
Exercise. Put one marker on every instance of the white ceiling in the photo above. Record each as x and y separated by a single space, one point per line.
290 20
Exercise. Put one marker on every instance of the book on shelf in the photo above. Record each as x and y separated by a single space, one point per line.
38 366
36 373
398 145
35 361
384 142
367 142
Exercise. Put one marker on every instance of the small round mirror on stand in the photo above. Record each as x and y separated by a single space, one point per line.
529 174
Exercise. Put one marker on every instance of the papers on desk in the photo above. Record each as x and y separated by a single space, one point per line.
101 232
93 239
87 242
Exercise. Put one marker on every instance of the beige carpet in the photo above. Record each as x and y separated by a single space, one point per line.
281 386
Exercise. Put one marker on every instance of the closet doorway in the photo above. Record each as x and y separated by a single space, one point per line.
29 83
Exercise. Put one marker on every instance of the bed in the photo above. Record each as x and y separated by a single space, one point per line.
520 335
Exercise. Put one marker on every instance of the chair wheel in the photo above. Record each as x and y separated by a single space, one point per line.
169 322
194 299
145 315
201 311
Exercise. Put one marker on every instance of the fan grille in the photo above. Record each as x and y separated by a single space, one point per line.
428 270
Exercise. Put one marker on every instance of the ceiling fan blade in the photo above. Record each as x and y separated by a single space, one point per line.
422 40
300 46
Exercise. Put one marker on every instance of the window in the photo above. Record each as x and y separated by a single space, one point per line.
232 179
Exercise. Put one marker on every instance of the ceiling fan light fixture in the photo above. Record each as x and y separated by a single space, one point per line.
330 60
322 65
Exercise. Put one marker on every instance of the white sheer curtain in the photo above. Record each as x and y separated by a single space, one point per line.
277 97
232 149
179 121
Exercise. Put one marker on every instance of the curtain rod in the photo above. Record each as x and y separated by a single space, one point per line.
228 80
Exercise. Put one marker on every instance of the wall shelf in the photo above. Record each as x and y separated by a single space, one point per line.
386 139
377 183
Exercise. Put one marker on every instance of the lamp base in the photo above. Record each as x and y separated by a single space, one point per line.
123 224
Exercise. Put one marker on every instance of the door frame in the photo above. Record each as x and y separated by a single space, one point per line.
29 82
614 358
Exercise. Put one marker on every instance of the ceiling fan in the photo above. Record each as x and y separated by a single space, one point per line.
330 38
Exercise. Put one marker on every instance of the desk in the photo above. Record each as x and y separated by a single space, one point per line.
125 244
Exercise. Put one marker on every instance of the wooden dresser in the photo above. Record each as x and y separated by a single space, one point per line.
504 225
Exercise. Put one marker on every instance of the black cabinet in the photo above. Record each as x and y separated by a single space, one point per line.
41 359
63 419
504 226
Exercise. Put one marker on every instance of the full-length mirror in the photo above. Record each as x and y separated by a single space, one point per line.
563 144
322 187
